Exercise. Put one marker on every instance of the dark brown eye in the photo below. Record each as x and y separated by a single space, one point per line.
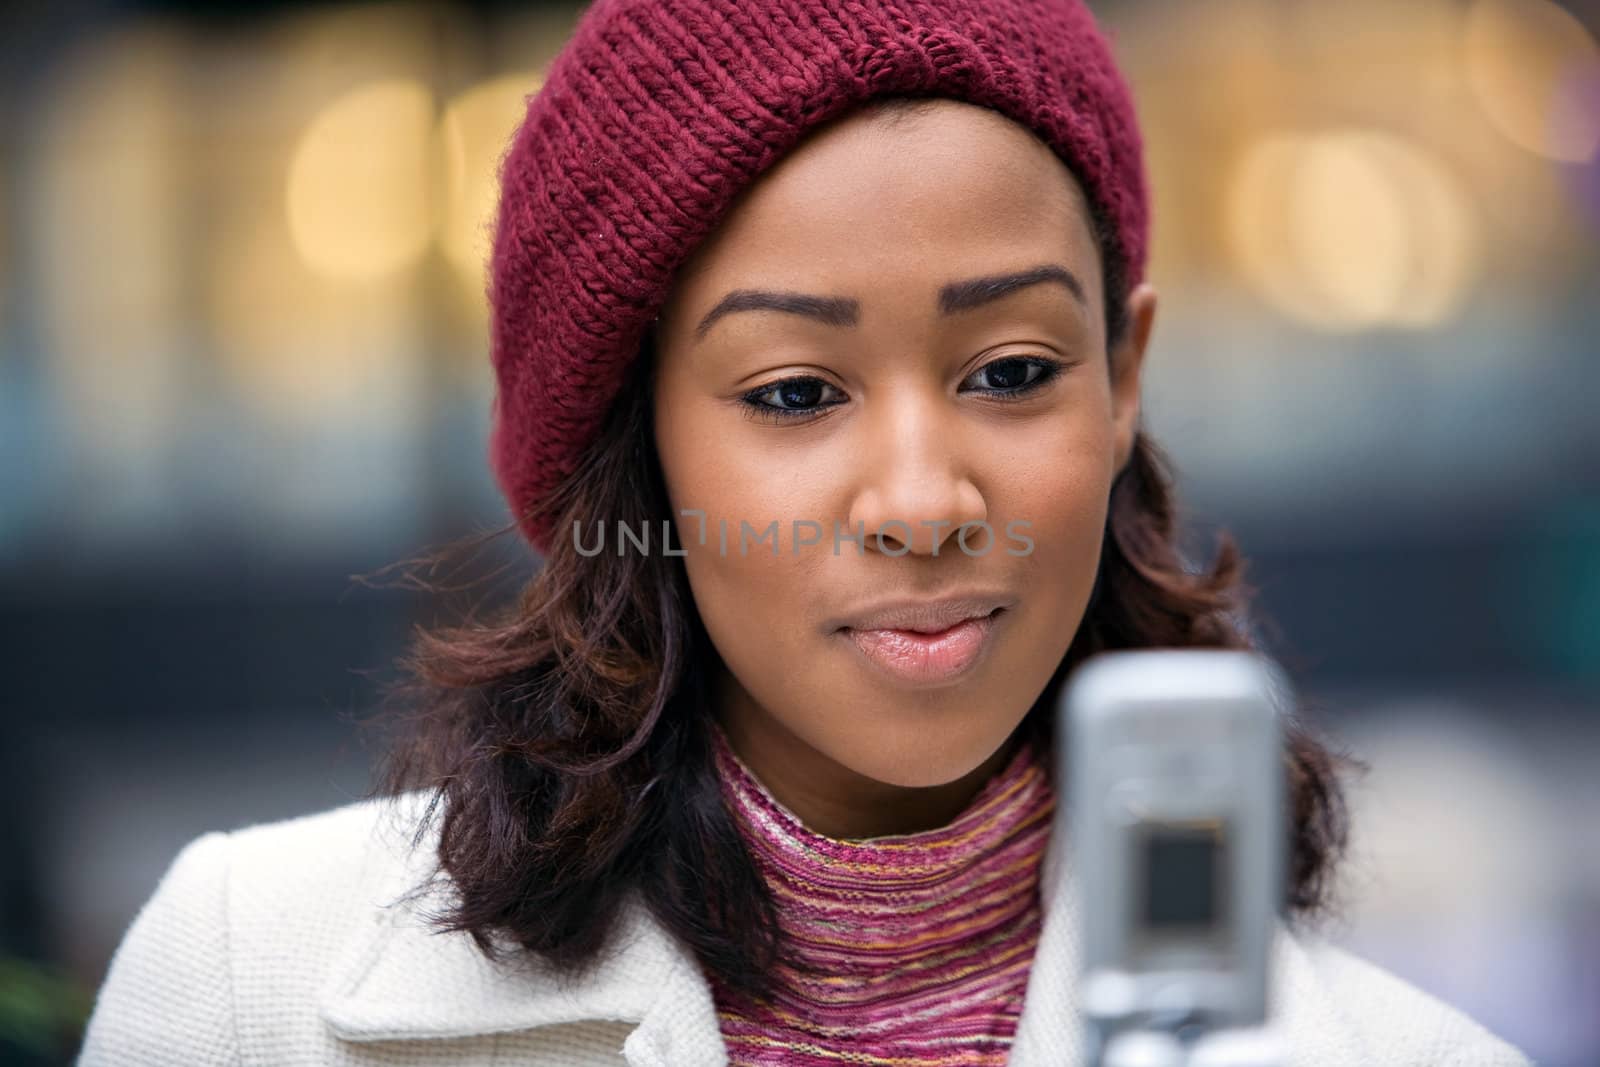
789 398
1014 375
800 393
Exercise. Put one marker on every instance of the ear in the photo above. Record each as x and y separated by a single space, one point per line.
1127 364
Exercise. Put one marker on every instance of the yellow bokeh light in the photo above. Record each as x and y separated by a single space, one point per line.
358 195
1352 229
1529 64
1444 228
472 136
1348 224
1256 209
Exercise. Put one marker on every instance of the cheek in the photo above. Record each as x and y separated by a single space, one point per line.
758 612
1068 531
756 604
753 604
1061 491
724 481
1064 505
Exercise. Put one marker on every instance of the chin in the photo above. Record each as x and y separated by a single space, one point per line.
916 762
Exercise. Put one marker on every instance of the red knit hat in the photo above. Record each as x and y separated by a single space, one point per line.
658 112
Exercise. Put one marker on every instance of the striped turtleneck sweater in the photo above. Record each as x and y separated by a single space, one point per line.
922 942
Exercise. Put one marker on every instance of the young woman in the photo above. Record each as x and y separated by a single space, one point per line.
848 299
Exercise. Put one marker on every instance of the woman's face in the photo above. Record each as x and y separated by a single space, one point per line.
884 394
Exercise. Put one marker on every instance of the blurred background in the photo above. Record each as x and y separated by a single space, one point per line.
243 357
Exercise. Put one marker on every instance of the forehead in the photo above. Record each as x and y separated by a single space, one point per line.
877 204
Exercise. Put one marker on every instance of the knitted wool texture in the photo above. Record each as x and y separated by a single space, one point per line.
657 113
921 943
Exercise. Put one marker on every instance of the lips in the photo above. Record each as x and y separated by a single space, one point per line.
924 657
927 616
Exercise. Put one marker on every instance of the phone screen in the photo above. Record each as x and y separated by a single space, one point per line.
1184 867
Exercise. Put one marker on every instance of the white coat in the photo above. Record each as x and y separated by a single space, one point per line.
276 944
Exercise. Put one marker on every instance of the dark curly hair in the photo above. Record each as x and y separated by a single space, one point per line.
566 738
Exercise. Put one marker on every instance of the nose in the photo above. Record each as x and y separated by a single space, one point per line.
915 492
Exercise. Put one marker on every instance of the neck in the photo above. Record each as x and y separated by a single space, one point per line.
830 798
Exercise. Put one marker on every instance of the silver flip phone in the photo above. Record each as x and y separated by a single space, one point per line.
1175 777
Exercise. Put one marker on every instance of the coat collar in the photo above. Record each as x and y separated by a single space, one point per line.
395 978
376 993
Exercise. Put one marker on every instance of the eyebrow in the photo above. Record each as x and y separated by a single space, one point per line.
845 311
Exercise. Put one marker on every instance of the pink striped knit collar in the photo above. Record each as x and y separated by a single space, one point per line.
1019 793
915 947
